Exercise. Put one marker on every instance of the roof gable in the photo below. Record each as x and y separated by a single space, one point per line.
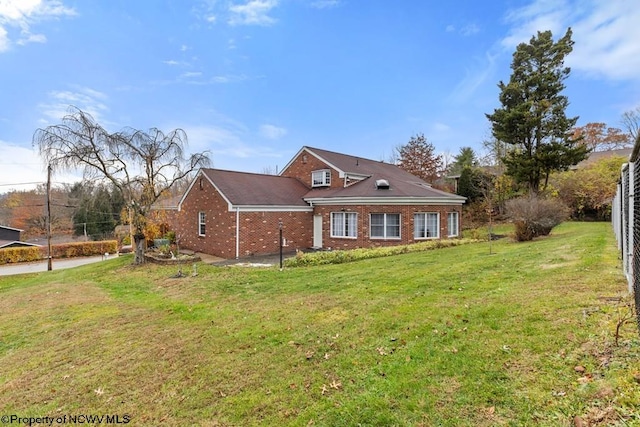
401 184
253 189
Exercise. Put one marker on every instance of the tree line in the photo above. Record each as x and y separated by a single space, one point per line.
534 147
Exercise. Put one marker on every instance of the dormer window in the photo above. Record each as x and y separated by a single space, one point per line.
321 178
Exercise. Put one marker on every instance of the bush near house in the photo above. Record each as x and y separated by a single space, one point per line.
64 250
340 256
535 216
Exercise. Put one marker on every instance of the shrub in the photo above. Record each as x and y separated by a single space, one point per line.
24 254
339 257
63 250
534 216
70 250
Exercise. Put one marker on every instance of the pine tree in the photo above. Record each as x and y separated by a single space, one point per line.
532 118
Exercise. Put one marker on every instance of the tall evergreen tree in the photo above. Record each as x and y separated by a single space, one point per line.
532 118
465 158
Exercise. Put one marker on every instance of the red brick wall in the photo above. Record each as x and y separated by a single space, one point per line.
364 241
220 235
259 231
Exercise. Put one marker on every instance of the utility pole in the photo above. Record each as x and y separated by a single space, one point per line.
49 261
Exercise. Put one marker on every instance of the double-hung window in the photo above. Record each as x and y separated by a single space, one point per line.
385 226
321 178
425 225
452 224
344 224
202 223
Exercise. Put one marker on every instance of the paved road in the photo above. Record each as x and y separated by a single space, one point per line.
58 264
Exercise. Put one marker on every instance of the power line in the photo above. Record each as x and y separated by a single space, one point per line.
22 183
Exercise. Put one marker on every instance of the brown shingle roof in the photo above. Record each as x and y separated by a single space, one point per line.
253 189
401 183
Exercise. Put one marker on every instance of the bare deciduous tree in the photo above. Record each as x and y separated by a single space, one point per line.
631 122
142 165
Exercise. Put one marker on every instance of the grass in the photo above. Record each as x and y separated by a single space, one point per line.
451 337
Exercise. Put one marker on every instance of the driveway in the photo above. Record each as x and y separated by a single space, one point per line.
58 264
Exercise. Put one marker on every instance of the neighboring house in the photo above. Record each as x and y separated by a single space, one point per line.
596 156
321 199
10 238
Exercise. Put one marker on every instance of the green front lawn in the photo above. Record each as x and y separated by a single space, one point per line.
449 337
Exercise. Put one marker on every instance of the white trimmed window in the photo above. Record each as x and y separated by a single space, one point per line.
344 224
321 178
425 225
385 226
202 226
452 224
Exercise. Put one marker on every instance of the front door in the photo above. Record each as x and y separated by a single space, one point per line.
317 231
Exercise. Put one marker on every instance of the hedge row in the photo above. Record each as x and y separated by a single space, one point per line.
339 256
64 250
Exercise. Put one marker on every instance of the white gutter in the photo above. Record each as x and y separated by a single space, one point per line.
436 201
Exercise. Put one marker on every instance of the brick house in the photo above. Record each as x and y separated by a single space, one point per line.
321 199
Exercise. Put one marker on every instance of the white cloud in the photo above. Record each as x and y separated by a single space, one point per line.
254 12
23 14
4 40
606 34
86 99
32 38
227 141
272 132
441 127
19 165
475 77
229 78
191 74
325 4
469 30
450 28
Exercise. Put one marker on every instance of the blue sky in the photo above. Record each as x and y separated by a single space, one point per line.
254 80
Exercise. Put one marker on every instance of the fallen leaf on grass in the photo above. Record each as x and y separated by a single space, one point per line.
585 379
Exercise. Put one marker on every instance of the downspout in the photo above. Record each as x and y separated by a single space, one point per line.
237 232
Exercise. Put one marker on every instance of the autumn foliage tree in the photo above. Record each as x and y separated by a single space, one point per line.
589 191
418 158
600 137
26 210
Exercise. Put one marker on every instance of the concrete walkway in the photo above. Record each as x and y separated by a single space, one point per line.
58 264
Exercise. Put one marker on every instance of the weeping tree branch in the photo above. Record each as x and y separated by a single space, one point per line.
142 165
